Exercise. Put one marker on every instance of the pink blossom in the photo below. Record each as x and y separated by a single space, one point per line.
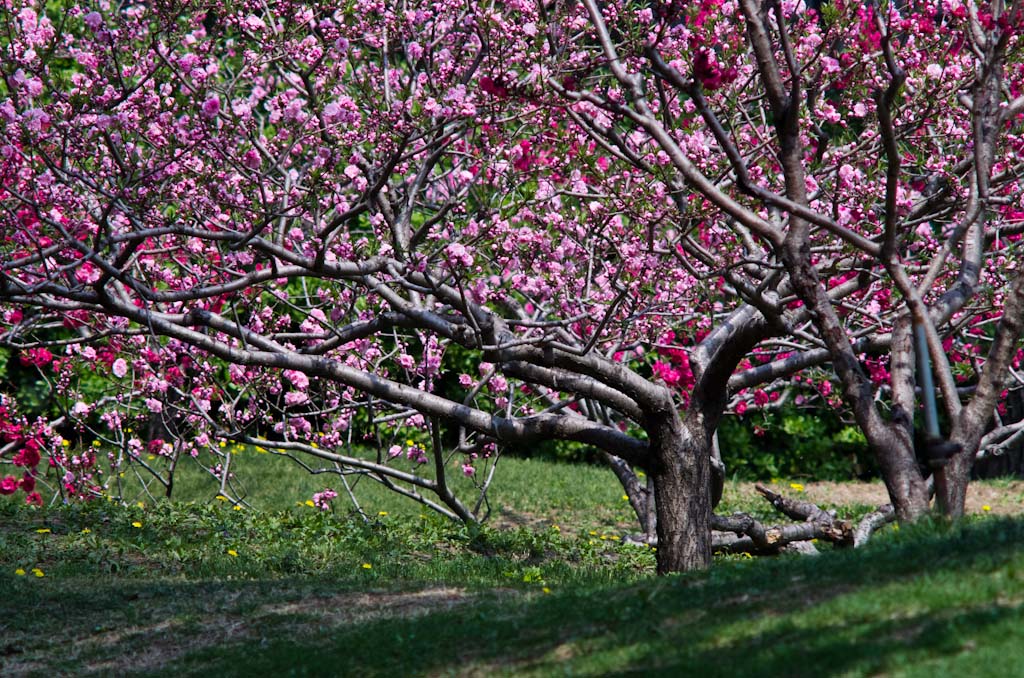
36 120
468 470
458 252
211 107
299 379
39 357
9 485
93 20
119 368
322 500
87 273
416 455
251 159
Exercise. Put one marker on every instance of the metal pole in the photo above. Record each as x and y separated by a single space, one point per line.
935 446
924 379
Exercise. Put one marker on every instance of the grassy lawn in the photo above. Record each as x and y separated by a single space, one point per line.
200 588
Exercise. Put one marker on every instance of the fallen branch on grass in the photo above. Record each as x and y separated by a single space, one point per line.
742 533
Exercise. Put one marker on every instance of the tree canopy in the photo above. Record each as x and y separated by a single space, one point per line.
396 238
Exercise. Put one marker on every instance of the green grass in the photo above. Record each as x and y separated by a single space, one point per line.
525 492
195 587
166 597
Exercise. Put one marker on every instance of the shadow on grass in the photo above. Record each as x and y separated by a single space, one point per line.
931 594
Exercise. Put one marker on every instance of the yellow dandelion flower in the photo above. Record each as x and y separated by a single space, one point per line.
86 530
382 513
410 443
96 443
43 530
309 503
986 507
141 504
546 590
65 443
233 553
797 486
367 566
625 497
136 524
221 497
37 572
20 572
238 507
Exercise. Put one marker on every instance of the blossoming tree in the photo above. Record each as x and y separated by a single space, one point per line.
397 239
279 228
865 144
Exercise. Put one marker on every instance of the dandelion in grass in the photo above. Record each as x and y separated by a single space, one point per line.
233 553
382 513
136 524
367 566
20 572
37 572
986 508
797 486
43 530
546 590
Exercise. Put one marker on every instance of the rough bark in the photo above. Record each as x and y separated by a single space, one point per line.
682 476
974 418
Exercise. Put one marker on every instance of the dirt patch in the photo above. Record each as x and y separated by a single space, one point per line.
349 608
162 643
1005 497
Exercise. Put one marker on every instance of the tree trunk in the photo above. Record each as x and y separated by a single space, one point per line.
907 487
908 491
682 474
953 493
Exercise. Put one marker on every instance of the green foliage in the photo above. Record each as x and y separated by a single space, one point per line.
794 443
27 384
